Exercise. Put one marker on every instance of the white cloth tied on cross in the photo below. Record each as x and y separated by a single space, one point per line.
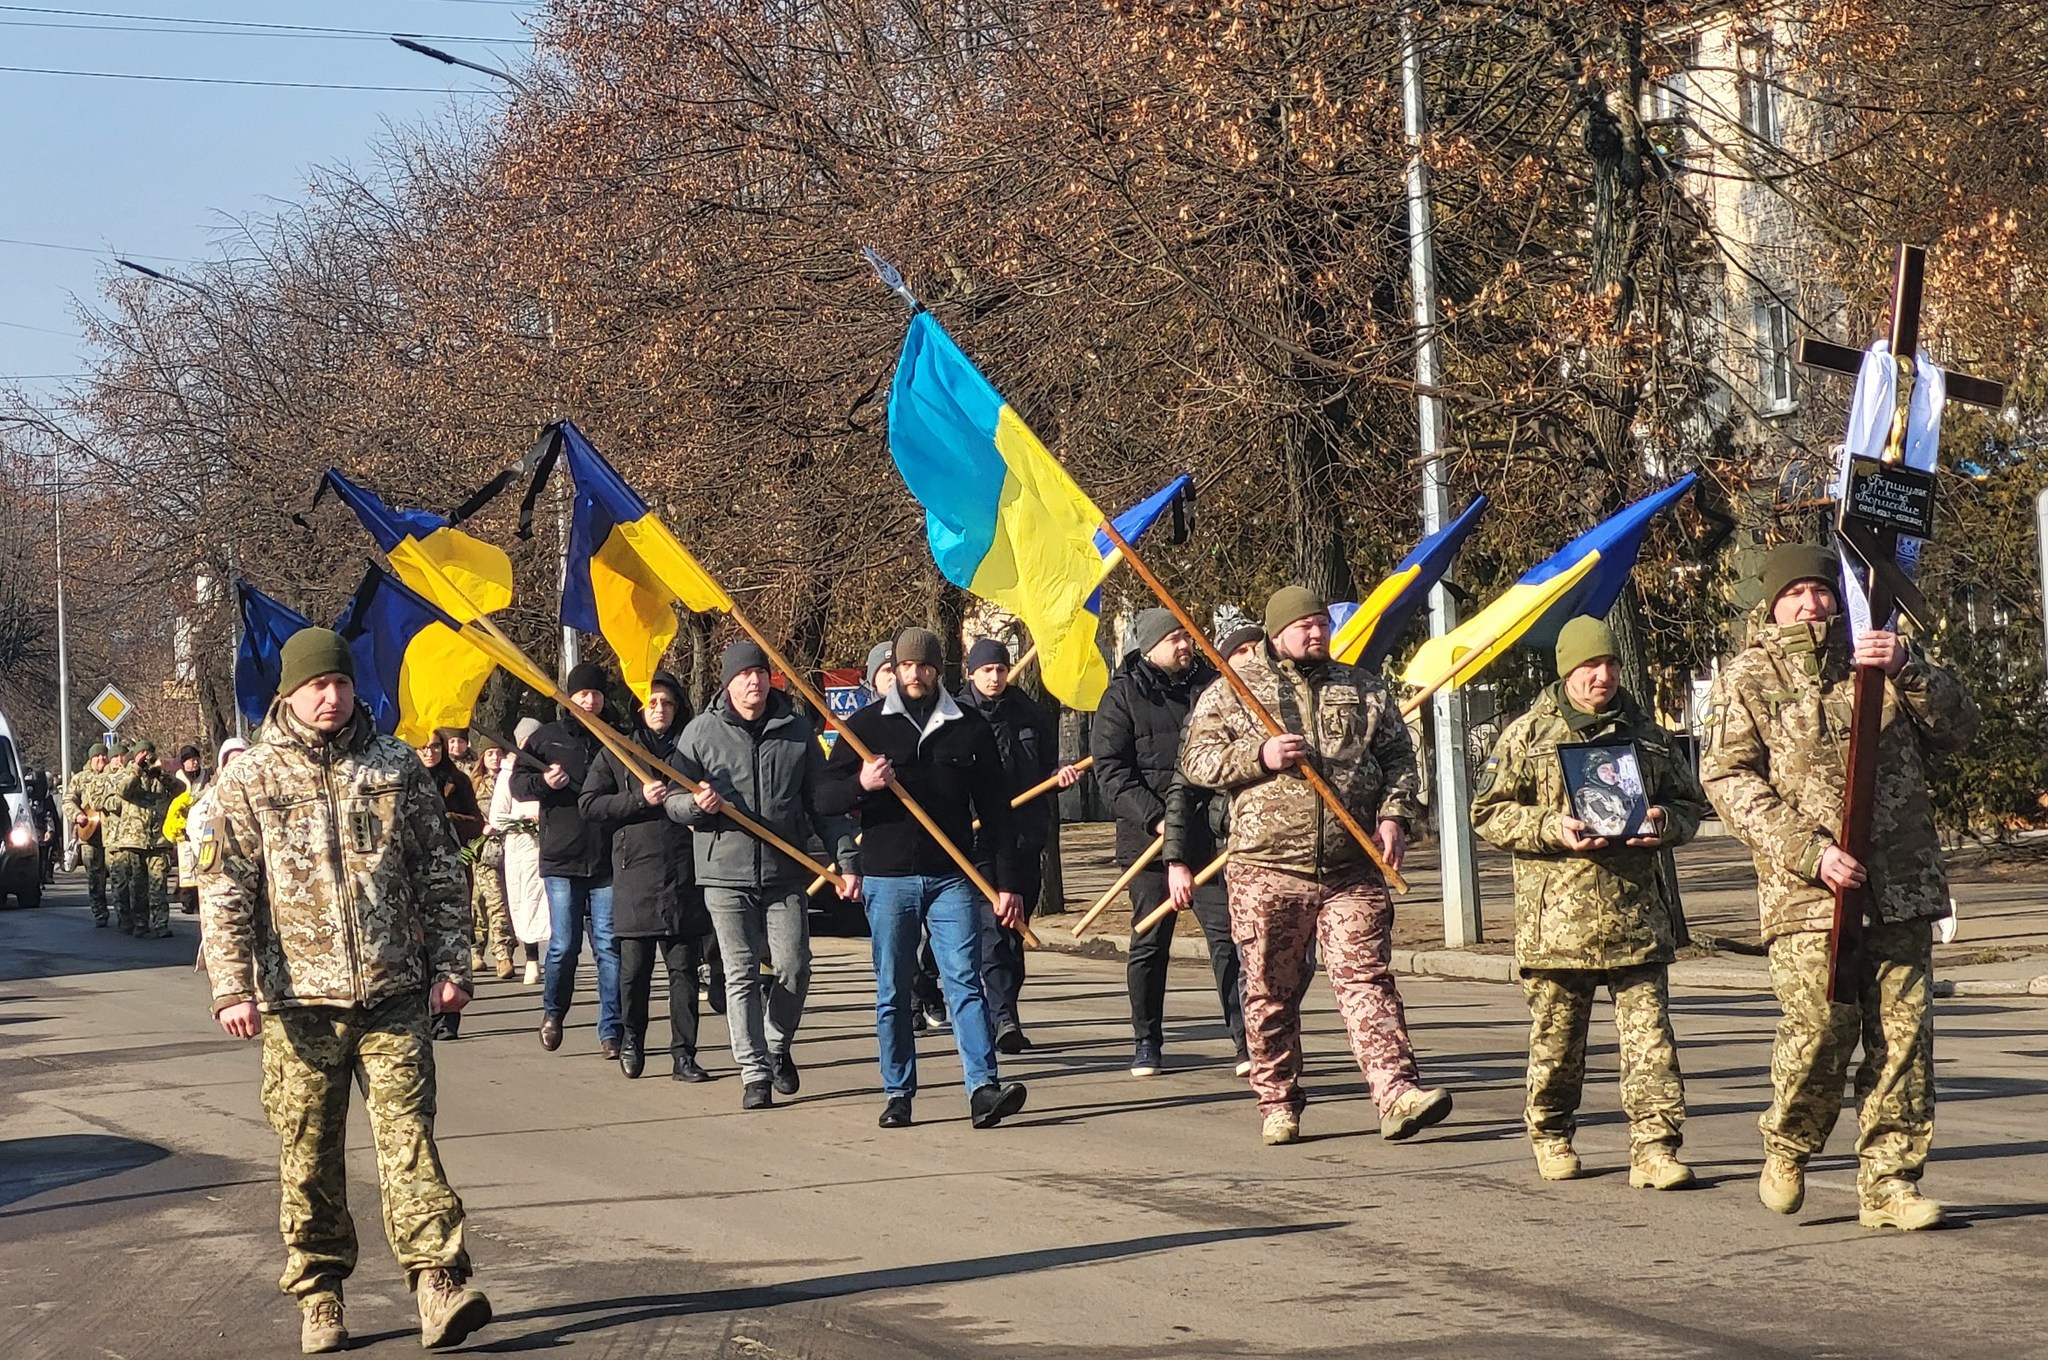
1871 411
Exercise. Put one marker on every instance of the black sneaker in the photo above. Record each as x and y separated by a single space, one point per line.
759 1095
687 1069
935 1016
994 1103
786 1078
918 1024
1146 1061
1013 1041
895 1114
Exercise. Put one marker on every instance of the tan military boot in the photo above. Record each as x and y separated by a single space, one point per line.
1281 1126
1896 1202
1555 1160
321 1328
1782 1187
449 1309
1655 1168
1412 1112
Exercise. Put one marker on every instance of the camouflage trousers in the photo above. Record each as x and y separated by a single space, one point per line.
1560 1010
1274 915
311 1054
142 888
1893 1017
92 857
490 920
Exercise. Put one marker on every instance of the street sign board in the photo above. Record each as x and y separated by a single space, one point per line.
111 707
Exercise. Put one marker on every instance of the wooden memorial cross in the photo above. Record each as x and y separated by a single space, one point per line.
1883 498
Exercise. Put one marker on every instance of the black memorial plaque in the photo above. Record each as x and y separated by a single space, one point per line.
1890 496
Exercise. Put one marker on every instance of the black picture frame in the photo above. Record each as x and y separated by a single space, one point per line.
1612 808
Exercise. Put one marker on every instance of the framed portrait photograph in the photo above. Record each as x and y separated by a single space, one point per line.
1603 781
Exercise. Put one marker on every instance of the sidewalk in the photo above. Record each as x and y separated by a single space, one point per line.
2000 949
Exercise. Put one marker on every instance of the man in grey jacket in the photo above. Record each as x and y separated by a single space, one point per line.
751 750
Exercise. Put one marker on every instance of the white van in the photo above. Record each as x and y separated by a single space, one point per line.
21 853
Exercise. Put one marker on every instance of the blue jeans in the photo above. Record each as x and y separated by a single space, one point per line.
946 907
568 900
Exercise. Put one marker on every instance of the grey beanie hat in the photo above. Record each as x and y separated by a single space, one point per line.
1150 628
878 657
919 645
743 655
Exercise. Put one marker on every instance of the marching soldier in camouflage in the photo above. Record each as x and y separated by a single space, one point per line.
491 920
1591 911
141 794
1297 876
1775 768
81 805
334 920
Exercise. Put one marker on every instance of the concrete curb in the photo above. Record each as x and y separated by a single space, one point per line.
1457 965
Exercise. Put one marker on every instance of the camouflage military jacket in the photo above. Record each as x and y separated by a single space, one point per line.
1775 759
1358 743
142 795
1600 909
326 873
81 796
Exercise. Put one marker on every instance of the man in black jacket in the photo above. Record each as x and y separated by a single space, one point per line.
1136 744
575 864
657 907
1028 739
945 758
752 751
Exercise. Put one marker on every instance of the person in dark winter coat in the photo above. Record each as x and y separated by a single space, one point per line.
1028 738
575 863
657 907
465 824
1136 744
754 752
945 758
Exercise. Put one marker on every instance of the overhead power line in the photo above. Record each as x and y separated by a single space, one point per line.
102 251
177 23
219 80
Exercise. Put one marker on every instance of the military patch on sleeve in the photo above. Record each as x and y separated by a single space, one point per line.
1717 721
1489 775
209 848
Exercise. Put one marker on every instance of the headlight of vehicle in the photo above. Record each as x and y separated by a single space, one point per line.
21 838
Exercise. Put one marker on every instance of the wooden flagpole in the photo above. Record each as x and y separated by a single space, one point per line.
1258 710
1166 909
924 819
1123 881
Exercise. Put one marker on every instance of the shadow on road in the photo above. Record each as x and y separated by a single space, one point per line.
32 1166
599 1315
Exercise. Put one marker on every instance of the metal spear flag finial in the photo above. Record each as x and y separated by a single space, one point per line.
891 279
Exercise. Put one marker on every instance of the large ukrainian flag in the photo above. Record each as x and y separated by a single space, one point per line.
461 574
1585 576
1004 520
626 570
1366 634
415 671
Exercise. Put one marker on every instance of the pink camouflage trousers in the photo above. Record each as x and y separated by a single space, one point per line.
1273 917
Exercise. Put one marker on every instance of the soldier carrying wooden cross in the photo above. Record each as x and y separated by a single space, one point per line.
1818 739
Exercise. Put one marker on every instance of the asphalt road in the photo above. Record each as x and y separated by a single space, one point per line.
1114 1218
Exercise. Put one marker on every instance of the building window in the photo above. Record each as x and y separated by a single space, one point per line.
1757 92
1774 355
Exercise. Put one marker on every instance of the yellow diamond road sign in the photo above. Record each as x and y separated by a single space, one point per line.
111 707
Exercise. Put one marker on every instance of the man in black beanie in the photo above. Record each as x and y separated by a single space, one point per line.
1029 740
575 863
1136 744
945 757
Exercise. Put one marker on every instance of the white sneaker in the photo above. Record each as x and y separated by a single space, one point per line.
1244 1067
532 973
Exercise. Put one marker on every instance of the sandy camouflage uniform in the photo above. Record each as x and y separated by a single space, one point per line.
491 920
1584 919
1296 874
333 898
82 796
136 844
1774 765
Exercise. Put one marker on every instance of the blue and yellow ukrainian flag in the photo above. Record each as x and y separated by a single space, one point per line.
415 671
1585 576
463 575
1367 633
626 570
266 623
1004 520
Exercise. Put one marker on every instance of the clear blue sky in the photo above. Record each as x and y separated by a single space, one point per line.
158 170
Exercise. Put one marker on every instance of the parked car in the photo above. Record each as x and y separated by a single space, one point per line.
21 845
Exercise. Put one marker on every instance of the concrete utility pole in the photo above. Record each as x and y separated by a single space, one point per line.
63 642
1451 796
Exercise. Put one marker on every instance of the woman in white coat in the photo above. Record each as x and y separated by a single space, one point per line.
526 898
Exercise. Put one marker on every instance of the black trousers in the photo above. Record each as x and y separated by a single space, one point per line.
1002 951
1150 954
636 985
